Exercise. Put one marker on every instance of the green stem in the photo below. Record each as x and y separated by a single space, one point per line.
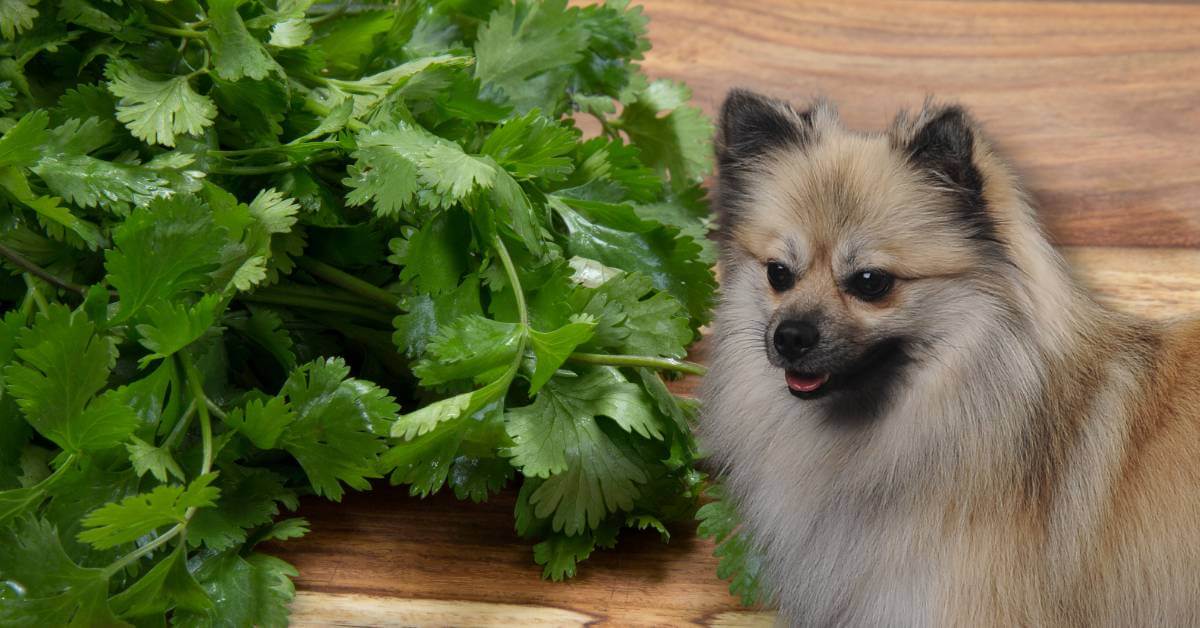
133 556
522 311
321 110
265 295
181 426
195 383
26 265
267 149
272 168
662 364
175 32
36 294
313 292
26 307
200 401
58 473
348 282
511 271
215 409
329 15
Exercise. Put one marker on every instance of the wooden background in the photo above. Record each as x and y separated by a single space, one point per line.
1096 104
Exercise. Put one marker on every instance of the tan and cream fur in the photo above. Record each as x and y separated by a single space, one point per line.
958 435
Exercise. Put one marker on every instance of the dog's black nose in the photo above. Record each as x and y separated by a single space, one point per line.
794 338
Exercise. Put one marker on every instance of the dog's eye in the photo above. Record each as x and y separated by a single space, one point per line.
780 277
869 285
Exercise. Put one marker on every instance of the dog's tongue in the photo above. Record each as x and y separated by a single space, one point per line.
805 383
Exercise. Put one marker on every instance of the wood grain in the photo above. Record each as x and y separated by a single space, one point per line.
1095 104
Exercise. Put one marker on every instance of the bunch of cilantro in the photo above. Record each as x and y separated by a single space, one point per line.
252 250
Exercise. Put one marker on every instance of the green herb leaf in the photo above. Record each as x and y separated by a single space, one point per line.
117 523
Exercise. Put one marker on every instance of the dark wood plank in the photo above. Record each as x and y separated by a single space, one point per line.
1095 105
384 544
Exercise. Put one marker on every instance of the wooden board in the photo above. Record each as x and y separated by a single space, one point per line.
1096 105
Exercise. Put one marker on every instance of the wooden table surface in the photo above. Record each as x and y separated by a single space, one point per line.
1096 104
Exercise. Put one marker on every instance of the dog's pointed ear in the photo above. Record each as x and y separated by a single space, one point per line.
751 124
943 144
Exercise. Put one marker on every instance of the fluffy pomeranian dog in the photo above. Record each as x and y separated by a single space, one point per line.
923 418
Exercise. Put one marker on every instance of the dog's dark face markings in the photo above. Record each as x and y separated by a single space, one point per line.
855 248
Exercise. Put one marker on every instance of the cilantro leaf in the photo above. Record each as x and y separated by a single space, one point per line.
157 111
250 497
552 349
172 327
559 437
57 591
167 586
236 53
560 554
525 50
634 317
432 257
155 460
254 590
740 560
615 236
391 163
532 146
117 523
64 364
470 347
20 145
164 249
676 142
338 423
16 17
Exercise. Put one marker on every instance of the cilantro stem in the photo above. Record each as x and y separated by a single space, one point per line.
175 32
329 15
321 110
201 400
36 294
282 166
215 409
511 271
654 362
522 311
21 262
266 295
133 556
259 150
348 282
26 308
181 426
49 480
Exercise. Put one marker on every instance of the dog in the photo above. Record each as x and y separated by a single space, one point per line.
922 417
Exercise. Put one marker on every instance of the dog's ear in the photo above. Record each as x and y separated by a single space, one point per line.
943 145
751 125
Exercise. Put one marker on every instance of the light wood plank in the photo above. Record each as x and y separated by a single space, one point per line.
350 609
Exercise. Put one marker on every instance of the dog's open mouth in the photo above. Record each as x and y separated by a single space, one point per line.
805 385
878 365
